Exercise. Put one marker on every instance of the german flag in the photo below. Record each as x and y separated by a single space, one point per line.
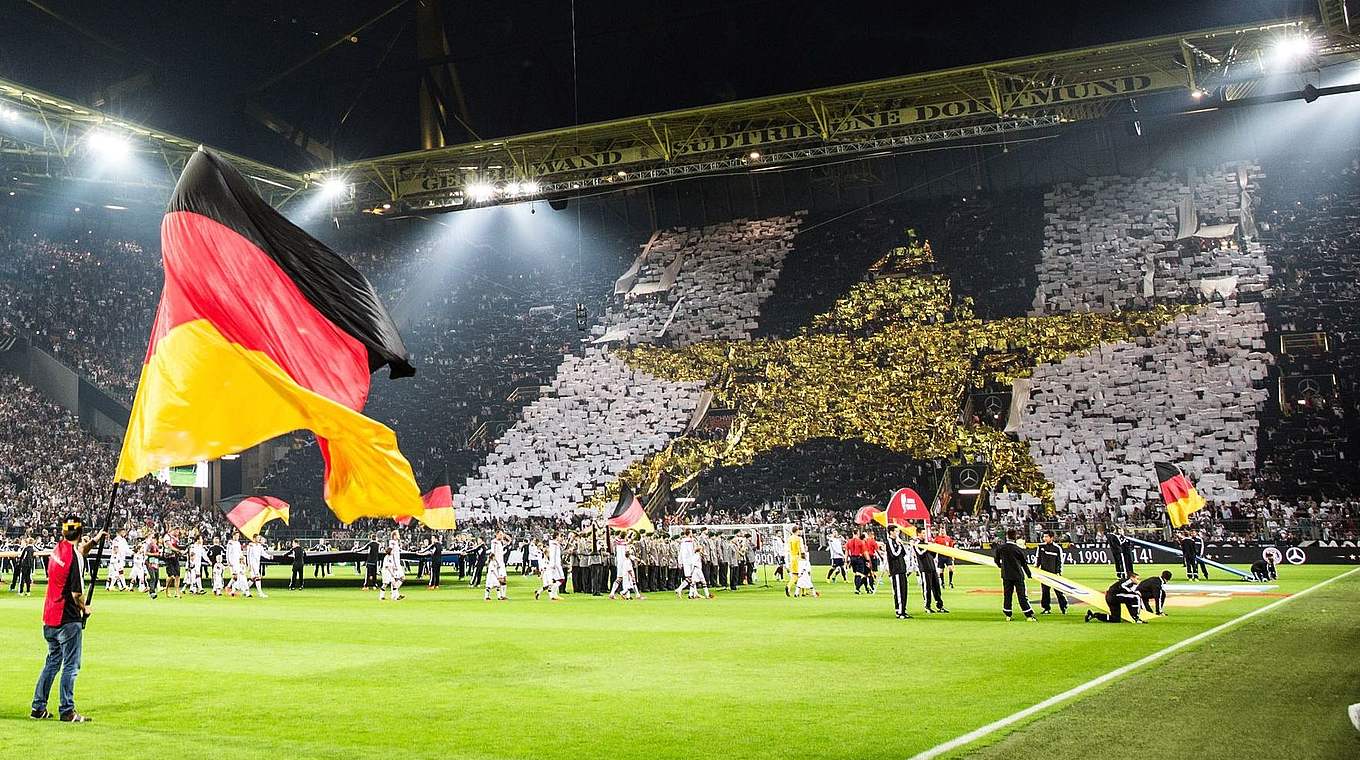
628 513
1182 500
250 513
438 510
263 330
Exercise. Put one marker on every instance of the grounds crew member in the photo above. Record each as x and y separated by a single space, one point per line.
1014 564
1152 593
1122 593
901 561
930 576
1048 556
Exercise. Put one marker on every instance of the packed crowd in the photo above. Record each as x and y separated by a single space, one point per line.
49 467
88 300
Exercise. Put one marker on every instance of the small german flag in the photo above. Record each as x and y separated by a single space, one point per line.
628 513
438 510
250 513
1182 500
263 330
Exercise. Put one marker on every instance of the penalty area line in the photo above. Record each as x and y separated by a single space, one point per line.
1056 699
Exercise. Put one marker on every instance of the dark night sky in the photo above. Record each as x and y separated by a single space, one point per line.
204 57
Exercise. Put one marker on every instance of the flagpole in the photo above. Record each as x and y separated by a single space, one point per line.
99 551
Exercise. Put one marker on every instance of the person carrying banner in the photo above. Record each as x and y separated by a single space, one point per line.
944 563
1202 568
1152 593
1048 556
901 563
1014 564
1189 557
1120 594
929 575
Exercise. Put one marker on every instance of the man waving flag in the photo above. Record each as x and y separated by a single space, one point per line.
263 330
1182 500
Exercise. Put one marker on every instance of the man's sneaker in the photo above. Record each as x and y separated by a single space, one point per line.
906 616
42 714
1140 620
1089 615
945 611
1008 618
1031 618
74 717
1046 612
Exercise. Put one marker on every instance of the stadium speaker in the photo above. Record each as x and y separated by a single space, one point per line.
557 204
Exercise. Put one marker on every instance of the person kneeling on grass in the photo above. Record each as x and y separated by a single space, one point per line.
1121 593
1153 593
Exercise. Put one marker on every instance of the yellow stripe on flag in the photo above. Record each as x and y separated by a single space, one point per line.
201 397
1091 597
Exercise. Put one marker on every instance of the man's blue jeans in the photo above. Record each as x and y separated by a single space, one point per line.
63 654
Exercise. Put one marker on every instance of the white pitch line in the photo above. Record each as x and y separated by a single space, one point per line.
1012 719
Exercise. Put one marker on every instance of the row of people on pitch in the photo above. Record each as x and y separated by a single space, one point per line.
1128 592
233 568
1192 554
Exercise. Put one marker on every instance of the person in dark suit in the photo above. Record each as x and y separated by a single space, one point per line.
476 559
299 557
371 555
436 561
1014 564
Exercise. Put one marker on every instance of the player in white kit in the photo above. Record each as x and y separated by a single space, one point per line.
198 559
256 554
118 558
392 572
625 578
685 556
237 566
495 567
550 569
138 569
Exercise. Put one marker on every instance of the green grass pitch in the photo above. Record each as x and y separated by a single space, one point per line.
332 673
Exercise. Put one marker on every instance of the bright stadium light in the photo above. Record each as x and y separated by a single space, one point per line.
335 187
512 188
481 192
530 188
108 145
1290 50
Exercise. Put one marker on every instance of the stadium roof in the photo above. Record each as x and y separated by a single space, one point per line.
1018 94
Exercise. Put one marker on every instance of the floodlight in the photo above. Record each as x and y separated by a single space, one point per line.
1291 50
109 145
